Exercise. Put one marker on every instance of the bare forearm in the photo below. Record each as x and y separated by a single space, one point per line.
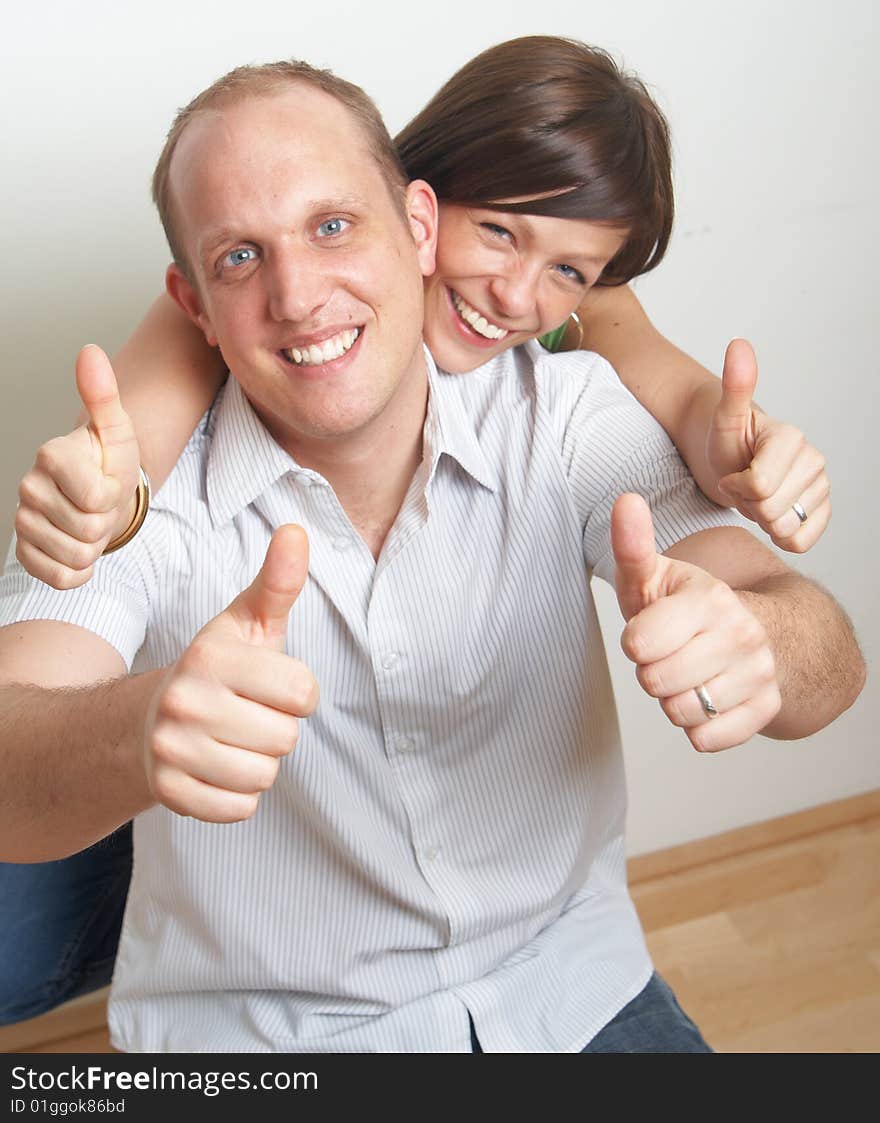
819 667
680 392
168 376
72 763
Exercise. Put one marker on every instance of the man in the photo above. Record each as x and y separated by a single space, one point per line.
439 865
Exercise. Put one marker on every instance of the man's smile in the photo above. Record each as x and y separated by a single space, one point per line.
325 351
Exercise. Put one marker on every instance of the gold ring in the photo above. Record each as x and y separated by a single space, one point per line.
141 506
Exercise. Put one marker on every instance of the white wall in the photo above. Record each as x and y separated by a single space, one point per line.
772 108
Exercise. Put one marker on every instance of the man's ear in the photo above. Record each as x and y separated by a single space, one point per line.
184 293
422 211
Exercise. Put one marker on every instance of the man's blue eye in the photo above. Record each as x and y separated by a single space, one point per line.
332 226
499 231
239 256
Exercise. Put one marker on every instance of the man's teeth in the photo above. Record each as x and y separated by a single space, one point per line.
477 321
325 351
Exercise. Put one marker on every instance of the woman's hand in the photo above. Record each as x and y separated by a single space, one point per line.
766 468
79 495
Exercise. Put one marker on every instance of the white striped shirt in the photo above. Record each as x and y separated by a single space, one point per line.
447 837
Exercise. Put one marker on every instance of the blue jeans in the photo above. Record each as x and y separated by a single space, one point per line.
59 926
652 1023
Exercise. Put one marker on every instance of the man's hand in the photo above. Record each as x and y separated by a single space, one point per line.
764 466
227 712
79 493
687 629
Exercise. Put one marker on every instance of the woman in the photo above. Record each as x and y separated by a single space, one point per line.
551 182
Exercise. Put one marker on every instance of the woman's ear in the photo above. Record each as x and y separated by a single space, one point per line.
422 211
184 293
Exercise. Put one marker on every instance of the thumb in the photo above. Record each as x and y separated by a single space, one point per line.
108 421
732 436
262 609
635 554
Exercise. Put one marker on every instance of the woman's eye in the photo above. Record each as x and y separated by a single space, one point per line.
496 230
332 226
571 274
241 255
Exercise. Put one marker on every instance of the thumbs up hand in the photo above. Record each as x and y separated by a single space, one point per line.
731 439
228 710
79 493
687 630
766 467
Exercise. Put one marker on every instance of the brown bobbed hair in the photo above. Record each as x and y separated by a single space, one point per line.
553 118
264 81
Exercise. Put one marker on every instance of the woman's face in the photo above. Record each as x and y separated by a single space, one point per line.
503 277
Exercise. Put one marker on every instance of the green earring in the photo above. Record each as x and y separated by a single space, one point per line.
552 341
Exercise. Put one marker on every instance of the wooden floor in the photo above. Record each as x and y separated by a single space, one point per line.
769 935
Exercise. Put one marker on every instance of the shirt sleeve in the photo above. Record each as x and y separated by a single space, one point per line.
115 604
611 446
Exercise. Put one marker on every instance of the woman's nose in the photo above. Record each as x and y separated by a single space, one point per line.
515 293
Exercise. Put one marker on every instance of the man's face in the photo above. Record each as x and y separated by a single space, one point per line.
304 272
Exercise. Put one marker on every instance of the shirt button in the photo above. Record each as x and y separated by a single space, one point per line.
342 543
390 660
406 745
431 853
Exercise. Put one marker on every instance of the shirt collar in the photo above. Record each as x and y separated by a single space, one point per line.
244 460
450 427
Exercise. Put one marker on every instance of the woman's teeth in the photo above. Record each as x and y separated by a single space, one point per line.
325 351
475 320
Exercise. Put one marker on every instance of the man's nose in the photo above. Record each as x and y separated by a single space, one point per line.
298 286
515 292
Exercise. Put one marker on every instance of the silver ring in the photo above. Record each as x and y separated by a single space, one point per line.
800 512
705 701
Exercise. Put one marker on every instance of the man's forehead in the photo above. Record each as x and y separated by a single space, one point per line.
245 156
296 117
263 163
298 136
